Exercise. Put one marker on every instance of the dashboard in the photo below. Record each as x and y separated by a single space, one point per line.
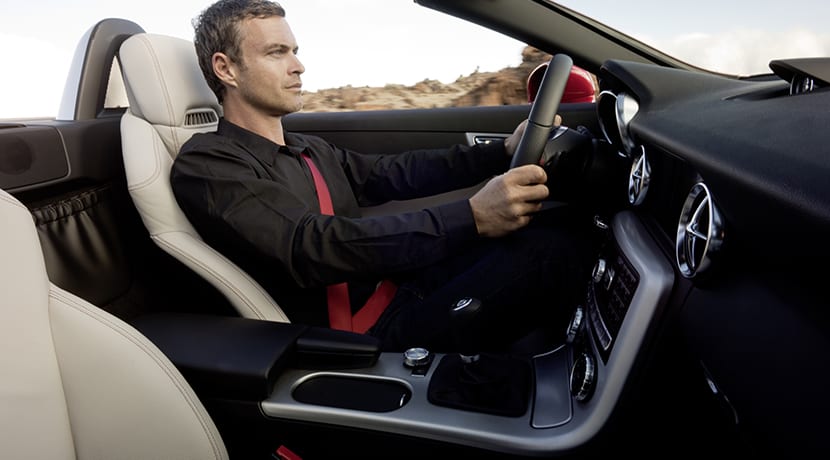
728 205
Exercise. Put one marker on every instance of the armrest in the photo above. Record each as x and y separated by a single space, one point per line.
324 348
241 358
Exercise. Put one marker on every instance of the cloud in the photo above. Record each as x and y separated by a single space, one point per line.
746 51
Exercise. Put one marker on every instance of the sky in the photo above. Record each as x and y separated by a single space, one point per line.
334 51
354 42
732 36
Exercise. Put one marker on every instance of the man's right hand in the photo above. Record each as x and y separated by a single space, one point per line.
506 202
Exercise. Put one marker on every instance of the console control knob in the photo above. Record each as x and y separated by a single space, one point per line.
416 357
583 377
599 271
575 325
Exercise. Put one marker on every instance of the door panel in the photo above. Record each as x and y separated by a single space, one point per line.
70 175
394 131
391 131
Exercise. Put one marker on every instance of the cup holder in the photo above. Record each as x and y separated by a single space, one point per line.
358 393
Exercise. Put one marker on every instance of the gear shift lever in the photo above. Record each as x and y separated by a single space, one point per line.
462 318
481 382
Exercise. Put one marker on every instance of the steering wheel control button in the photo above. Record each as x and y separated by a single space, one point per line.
418 359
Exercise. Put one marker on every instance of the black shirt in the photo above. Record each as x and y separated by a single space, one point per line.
255 202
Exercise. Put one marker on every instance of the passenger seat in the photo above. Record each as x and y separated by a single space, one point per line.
78 382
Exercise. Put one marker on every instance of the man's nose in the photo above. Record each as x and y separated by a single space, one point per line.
298 66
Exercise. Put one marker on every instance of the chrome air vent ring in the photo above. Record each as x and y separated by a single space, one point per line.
639 178
615 112
607 115
700 232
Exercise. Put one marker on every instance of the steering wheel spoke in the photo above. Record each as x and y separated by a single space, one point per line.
543 112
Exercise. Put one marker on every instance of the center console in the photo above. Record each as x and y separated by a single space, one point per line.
572 388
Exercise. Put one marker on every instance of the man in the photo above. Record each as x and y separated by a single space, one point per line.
251 192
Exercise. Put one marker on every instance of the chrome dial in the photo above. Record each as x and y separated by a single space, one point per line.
583 377
415 357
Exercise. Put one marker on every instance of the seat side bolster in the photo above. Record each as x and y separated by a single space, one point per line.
112 413
33 415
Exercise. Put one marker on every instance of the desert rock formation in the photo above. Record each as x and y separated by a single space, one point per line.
506 86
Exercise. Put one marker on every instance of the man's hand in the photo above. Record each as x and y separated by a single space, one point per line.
512 142
506 202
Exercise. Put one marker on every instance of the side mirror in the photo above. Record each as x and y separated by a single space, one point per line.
581 86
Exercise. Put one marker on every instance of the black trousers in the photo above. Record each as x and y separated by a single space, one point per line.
529 279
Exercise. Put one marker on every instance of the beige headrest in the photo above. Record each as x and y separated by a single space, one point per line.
164 83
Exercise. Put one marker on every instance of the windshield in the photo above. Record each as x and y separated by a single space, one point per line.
737 37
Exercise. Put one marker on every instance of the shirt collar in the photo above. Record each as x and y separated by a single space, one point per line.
260 146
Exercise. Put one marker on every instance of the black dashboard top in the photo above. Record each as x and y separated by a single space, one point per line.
762 151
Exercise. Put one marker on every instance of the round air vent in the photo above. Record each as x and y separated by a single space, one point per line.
699 232
639 178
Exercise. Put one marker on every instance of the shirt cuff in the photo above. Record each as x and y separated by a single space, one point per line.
459 224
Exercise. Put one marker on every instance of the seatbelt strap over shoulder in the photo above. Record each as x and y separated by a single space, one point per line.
339 308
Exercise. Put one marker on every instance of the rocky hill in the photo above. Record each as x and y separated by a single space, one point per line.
506 86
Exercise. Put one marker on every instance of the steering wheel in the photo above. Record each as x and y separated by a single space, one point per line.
543 112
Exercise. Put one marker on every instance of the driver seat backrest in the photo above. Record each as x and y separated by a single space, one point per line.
77 381
169 102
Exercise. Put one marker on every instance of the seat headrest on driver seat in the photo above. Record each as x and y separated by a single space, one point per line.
165 85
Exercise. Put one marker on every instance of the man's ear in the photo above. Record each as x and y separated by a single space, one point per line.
224 68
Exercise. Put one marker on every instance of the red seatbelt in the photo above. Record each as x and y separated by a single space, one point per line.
368 315
340 311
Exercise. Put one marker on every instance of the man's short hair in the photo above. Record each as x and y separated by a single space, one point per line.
217 31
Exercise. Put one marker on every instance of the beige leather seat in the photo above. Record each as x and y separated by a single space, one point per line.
78 382
169 102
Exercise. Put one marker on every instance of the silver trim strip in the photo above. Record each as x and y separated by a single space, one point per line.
484 138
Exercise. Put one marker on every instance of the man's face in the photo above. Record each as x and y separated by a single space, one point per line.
269 74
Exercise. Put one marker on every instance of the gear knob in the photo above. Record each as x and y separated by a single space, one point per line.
462 317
